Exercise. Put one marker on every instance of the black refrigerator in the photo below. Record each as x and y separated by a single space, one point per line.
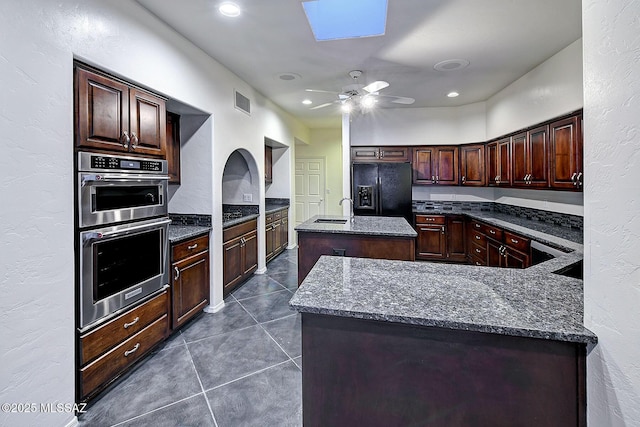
382 189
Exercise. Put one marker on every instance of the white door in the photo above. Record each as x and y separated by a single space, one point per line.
310 189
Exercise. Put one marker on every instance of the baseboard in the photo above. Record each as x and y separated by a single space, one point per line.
215 309
293 246
261 270
72 423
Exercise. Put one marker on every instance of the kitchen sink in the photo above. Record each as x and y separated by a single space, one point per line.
574 270
331 221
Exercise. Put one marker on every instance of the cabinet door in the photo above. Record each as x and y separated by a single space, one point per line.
173 148
447 166
102 112
519 159
277 235
515 259
423 165
472 163
190 287
491 167
365 154
455 233
268 164
270 240
504 162
565 151
394 154
494 255
431 242
538 157
148 117
232 270
284 231
249 253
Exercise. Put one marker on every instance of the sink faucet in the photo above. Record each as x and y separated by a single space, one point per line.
352 217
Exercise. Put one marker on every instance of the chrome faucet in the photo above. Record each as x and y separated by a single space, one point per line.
352 218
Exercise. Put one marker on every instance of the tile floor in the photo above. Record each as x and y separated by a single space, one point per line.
238 367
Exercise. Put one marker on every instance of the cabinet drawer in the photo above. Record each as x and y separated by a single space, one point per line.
122 327
238 230
430 219
277 215
517 242
475 225
478 238
478 261
268 218
190 247
479 251
112 363
491 231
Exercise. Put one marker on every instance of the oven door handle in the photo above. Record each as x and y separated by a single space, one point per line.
85 178
91 236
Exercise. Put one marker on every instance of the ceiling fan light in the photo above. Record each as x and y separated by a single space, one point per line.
452 94
346 107
368 102
307 102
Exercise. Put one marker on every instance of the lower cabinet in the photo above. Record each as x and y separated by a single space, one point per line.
239 254
440 237
107 351
277 233
190 279
494 247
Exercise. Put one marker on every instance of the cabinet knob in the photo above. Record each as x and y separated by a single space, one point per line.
464 179
124 139
579 179
134 140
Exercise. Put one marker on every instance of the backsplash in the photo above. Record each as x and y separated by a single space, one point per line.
561 219
191 219
230 212
276 201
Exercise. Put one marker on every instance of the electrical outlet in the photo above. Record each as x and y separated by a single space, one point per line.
247 197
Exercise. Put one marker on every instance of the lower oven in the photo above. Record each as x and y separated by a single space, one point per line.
120 264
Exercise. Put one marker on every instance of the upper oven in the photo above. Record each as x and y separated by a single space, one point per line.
114 189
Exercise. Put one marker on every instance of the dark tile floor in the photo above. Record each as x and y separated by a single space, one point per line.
238 367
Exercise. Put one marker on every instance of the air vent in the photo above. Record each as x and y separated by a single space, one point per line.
243 103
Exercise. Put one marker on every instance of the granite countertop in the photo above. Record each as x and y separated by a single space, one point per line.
273 207
240 220
368 225
178 232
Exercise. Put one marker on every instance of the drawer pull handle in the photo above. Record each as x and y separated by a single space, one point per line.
477 250
492 232
127 325
477 237
177 276
192 247
514 241
477 225
133 350
477 263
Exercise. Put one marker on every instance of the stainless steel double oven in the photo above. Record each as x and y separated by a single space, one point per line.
122 232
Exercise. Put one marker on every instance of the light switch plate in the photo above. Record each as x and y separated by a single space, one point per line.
247 197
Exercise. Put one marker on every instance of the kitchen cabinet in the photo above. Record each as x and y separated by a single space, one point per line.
565 153
472 165
494 247
239 254
109 350
190 279
381 154
498 167
435 165
440 237
277 233
114 116
530 165
268 164
173 148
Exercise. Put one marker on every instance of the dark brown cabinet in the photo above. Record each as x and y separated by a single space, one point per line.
435 165
277 233
112 115
472 164
107 351
268 164
494 247
456 238
190 279
440 237
173 147
565 153
381 154
239 254
498 154
530 164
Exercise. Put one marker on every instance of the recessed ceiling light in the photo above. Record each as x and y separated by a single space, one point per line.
307 102
287 77
229 9
451 65
452 94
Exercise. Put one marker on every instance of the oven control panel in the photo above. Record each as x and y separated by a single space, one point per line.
105 162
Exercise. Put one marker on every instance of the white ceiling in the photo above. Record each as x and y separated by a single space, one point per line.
501 39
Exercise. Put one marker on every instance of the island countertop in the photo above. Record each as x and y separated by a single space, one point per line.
365 225
529 303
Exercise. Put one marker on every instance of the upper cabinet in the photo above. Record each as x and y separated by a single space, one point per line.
565 153
112 115
530 161
268 164
381 154
498 154
435 165
173 147
472 163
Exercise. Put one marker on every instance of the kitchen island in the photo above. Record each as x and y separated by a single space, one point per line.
412 343
364 236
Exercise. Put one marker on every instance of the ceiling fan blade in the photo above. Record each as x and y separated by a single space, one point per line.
376 86
403 100
322 91
321 106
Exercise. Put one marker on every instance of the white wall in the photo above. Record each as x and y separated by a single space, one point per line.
281 185
39 41
612 225
238 181
551 89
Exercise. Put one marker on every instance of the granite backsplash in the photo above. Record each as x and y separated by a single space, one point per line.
191 219
230 212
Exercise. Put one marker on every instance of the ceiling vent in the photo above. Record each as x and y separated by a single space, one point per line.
242 103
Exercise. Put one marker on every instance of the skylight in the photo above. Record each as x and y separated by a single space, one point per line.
340 19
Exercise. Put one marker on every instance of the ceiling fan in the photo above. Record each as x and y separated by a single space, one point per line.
360 95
